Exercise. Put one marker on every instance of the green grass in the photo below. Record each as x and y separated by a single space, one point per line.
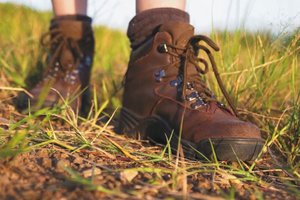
261 72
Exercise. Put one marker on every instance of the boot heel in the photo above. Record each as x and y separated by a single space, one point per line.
128 124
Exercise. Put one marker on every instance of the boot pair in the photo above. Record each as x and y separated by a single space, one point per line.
165 97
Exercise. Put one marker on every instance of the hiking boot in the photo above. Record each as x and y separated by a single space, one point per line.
166 99
69 63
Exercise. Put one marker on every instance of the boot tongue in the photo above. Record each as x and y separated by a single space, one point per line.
71 29
75 28
180 32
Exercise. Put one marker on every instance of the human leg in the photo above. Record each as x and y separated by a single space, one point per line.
142 5
69 7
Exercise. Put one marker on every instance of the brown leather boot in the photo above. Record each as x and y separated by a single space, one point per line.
165 98
69 64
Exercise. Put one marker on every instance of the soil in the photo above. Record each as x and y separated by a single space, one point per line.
53 172
42 174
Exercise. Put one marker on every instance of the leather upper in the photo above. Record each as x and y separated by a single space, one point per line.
69 62
148 96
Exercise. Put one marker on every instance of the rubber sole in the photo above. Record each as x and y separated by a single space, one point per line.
157 130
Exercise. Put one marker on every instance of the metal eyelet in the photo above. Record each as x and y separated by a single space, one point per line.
75 71
192 96
199 103
159 75
72 77
176 82
190 86
162 48
88 61
221 105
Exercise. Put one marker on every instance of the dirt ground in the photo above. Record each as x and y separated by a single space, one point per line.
42 174
53 172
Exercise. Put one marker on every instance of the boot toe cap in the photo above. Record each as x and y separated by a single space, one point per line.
226 129
230 141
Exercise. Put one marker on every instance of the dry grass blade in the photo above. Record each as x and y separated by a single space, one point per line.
16 89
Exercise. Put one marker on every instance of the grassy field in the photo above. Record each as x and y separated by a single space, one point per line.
261 72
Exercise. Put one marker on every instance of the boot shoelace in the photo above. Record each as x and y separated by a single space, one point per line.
190 54
57 43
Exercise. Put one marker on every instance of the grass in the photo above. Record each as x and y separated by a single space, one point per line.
261 71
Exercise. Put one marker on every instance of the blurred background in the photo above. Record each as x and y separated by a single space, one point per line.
277 16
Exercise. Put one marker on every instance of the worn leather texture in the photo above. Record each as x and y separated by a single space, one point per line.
146 98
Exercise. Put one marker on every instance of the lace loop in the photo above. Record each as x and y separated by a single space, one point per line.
190 54
58 42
